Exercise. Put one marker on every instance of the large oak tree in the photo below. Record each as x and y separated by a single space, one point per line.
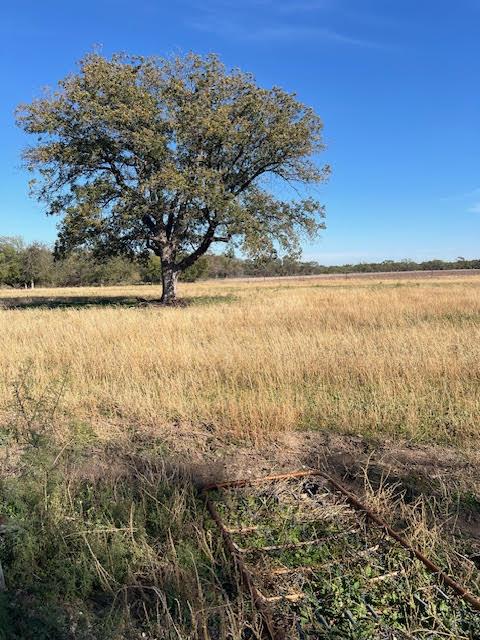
170 156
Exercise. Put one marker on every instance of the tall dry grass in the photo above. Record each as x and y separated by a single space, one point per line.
253 358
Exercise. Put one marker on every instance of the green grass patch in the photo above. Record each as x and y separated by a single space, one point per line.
110 545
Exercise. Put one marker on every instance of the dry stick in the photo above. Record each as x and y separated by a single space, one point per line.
289 597
385 576
279 547
242 530
285 571
57 458
232 484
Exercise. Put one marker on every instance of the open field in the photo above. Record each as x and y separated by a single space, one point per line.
254 359
375 275
114 409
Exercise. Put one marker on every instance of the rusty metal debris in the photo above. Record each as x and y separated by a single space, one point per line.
247 578
262 601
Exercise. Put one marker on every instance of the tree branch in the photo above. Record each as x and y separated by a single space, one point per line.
149 222
203 247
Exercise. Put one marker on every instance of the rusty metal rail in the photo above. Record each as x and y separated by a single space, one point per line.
260 600
247 578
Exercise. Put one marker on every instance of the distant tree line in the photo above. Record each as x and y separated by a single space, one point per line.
33 264
227 266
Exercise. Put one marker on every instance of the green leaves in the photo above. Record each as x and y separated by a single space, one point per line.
172 155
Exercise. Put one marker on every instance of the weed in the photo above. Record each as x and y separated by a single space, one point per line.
332 574
111 557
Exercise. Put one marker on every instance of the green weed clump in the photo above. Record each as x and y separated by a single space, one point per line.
109 545
331 574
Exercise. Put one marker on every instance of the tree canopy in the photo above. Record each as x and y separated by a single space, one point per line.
168 156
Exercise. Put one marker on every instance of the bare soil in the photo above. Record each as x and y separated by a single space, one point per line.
416 469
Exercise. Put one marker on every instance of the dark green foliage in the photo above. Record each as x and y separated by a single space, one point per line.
11 261
196 271
152 269
27 265
225 266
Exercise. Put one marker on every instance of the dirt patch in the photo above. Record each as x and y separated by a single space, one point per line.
448 477
213 458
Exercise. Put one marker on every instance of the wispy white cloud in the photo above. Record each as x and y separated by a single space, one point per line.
281 32
463 196
275 20
475 208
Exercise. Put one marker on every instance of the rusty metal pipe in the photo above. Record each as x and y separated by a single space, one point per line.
431 566
258 598
359 506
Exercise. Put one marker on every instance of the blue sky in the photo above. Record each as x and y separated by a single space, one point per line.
397 83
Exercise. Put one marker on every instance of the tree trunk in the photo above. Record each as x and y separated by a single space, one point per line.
169 285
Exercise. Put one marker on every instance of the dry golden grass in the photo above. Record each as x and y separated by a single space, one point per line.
253 358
